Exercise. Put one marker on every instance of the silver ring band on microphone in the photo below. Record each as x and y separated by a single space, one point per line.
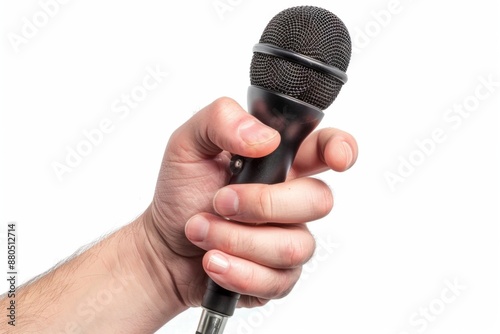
300 59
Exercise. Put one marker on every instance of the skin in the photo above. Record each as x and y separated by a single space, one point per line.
149 271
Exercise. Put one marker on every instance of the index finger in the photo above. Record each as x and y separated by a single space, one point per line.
325 149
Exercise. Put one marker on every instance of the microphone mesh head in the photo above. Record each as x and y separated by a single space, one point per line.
311 31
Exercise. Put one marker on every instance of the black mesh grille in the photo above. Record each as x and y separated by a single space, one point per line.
311 31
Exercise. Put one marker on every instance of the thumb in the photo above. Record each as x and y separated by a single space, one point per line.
222 125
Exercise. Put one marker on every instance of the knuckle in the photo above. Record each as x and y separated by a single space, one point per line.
223 103
294 252
261 301
284 283
291 253
246 283
222 118
176 144
236 244
309 249
325 202
278 284
231 242
265 205
221 109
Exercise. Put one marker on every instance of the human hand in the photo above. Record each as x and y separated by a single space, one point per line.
184 225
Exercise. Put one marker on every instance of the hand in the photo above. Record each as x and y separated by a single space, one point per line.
184 224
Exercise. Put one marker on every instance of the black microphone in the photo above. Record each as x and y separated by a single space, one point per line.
297 70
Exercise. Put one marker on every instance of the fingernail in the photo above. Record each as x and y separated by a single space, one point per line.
197 228
254 132
348 154
217 264
226 202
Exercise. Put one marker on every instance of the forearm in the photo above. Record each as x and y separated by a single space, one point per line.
116 286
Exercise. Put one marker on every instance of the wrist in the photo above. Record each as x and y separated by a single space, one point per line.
150 261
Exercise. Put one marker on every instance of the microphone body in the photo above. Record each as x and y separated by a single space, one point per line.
297 70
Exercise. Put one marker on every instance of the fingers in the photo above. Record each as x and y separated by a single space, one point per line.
325 149
248 278
262 261
296 201
280 247
222 125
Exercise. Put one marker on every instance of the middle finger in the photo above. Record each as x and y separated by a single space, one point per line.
274 246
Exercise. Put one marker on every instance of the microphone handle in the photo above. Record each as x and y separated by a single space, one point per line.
294 120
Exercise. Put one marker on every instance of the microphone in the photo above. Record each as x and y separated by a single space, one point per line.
297 70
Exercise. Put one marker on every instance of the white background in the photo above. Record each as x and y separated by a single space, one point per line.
394 248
